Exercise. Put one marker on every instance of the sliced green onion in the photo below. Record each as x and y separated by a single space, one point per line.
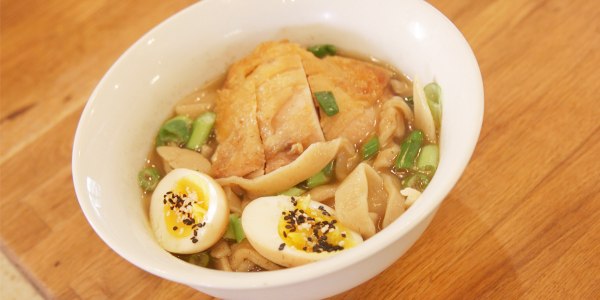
370 148
232 228
416 181
317 180
327 102
238 231
200 259
174 131
294 191
201 129
409 150
230 233
323 50
148 178
428 158
328 170
321 178
433 93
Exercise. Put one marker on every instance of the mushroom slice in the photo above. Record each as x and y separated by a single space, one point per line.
423 117
386 157
392 118
175 157
395 201
411 196
346 160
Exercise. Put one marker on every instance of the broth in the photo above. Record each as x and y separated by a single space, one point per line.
391 128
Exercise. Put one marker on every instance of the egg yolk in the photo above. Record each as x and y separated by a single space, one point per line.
184 208
312 230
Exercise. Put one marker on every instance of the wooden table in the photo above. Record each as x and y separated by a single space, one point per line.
523 222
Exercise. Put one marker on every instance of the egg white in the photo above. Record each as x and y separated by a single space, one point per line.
260 221
216 218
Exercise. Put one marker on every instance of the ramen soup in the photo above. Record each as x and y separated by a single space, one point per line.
293 156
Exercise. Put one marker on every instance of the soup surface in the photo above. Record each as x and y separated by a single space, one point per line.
293 156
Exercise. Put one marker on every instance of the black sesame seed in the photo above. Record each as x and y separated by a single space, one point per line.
281 246
284 234
174 228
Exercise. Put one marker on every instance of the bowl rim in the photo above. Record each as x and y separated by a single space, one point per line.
222 280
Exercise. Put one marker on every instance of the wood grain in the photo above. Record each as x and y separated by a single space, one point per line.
523 222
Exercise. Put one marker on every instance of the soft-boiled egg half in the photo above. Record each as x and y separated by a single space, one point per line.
292 231
188 212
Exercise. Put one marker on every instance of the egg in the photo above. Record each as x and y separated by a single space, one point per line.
188 212
292 231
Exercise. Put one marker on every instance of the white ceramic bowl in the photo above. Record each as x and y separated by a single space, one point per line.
120 120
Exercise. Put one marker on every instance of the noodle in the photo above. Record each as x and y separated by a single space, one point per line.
315 158
244 252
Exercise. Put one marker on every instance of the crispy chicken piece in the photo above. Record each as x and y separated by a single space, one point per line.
265 113
287 118
240 149
356 86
